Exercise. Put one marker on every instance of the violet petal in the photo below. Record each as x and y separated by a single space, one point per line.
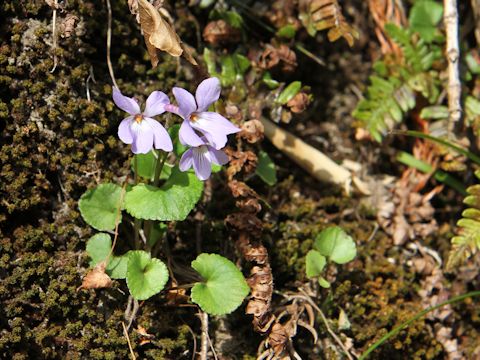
156 104
142 137
201 164
215 128
188 136
207 93
186 161
186 102
161 139
217 156
124 131
125 103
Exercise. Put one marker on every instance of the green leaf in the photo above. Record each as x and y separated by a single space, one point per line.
434 112
424 18
323 283
145 164
224 287
229 72
99 206
172 201
288 31
145 276
314 263
242 63
289 92
157 232
336 244
266 169
472 63
271 83
98 248
209 57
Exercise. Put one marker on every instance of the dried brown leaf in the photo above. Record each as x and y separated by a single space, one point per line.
220 32
158 34
97 278
252 131
299 102
67 26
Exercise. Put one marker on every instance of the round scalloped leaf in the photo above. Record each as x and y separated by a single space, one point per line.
145 276
336 244
172 201
99 206
98 248
314 263
224 287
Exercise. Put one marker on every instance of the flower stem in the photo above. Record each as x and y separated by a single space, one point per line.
158 170
137 222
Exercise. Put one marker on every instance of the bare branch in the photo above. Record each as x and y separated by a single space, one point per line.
454 90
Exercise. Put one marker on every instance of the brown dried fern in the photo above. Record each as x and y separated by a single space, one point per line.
317 15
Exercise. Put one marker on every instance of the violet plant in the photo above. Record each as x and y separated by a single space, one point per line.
159 156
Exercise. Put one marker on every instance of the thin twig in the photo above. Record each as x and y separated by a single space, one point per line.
211 347
109 43
54 36
133 314
125 333
194 340
453 55
203 316
325 320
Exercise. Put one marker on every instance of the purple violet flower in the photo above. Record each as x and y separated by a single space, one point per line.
201 158
139 129
193 110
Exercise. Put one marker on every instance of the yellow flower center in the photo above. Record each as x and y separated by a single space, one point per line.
138 118
193 117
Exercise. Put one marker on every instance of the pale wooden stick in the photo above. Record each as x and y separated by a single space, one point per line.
54 36
204 336
454 90
317 164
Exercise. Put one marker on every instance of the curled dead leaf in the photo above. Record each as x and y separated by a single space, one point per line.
158 34
252 131
67 26
220 32
299 102
97 278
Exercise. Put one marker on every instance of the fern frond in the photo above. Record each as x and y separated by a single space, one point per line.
467 242
317 15
393 93
386 103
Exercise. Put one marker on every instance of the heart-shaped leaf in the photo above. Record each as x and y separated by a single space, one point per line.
172 201
146 164
315 262
99 206
336 244
98 248
145 276
224 287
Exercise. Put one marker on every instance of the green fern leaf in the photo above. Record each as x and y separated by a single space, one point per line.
467 242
